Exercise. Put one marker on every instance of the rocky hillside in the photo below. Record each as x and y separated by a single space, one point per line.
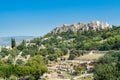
95 25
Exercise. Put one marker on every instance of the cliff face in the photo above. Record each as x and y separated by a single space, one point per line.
96 25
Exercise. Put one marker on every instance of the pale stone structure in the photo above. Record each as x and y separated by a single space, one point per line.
94 25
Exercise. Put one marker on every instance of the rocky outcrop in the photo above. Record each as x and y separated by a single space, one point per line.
95 25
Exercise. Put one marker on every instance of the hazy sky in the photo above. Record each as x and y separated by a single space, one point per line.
38 17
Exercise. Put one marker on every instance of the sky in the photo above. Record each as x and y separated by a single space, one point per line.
38 17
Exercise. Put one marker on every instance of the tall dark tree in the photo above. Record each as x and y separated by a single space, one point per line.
13 43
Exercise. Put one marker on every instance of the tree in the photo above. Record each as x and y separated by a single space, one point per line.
72 56
22 71
106 72
5 52
14 52
117 45
13 43
50 50
78 69
52 57
2 75
104 46
108 67
6 70
20 62
43 52
38 67
22 46
65 50
59 52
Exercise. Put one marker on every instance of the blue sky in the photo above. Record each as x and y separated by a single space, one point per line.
38 17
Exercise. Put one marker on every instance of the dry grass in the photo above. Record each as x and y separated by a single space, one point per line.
85 79
90 57
66 56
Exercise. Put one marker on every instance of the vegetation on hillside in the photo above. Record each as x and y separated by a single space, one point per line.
16 62
78 42
108 67
34 68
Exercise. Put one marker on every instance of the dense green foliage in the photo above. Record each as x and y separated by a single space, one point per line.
78 70
22 46
108 67
35 67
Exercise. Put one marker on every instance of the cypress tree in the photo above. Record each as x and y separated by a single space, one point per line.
13 43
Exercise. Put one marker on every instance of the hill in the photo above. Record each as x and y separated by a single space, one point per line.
67 38
97 37
61 44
